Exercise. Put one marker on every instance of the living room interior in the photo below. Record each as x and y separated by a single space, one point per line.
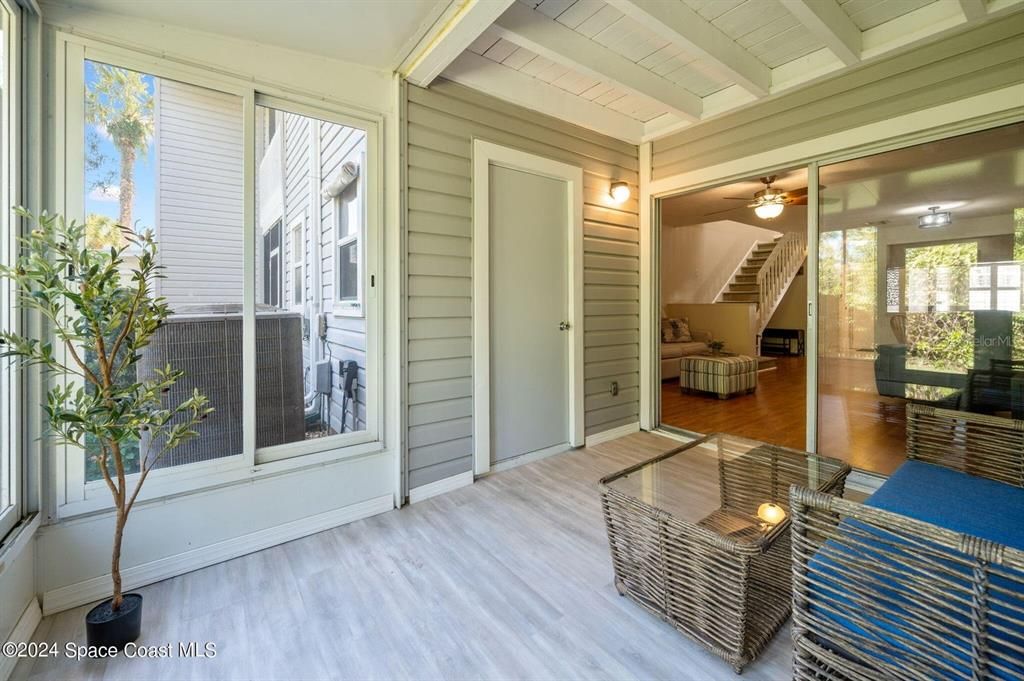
883 268
512 339
717 246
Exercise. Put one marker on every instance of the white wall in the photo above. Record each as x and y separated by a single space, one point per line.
17 584
792 310
175 535
697 261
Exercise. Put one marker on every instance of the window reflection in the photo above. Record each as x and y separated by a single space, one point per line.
912 311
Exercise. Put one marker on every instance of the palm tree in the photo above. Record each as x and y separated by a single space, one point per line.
102 233
120 102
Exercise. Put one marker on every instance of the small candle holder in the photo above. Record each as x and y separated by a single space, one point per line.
771 514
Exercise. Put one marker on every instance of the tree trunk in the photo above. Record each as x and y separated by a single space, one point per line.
115 560
127 195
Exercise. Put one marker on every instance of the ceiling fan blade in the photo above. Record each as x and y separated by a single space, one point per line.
737 198
802 201
797 192
727 210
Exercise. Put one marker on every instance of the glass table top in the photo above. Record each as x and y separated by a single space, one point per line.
736 487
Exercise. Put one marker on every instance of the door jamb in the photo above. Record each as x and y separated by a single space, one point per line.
486 154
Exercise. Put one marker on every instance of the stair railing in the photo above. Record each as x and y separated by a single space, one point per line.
777 274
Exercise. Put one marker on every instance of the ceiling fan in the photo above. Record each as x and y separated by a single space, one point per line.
769 202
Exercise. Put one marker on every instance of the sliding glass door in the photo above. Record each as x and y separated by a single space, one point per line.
920 254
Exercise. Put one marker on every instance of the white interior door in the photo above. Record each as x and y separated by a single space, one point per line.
529 314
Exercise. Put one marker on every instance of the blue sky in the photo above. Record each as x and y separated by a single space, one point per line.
106 203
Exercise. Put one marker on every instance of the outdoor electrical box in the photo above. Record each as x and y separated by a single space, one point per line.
323 377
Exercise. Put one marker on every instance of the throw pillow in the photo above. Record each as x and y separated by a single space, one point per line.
675 331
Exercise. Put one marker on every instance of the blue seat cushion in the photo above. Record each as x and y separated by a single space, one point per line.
870 590
956 501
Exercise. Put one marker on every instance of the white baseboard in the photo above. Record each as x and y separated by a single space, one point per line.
614 433
864 482
424 492
529 457
98 588
675 435
22 633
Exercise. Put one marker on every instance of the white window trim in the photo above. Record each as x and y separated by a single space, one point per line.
351 308
297 261
70 495
279 223
11 440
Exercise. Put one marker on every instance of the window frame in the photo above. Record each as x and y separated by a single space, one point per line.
71 495
297 262
269 256
349 307
11 439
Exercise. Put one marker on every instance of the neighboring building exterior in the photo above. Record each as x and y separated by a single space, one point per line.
309 213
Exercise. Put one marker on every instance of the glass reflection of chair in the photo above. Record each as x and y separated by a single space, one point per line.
998 390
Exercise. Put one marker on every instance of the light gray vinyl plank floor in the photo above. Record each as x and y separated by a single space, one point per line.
509 578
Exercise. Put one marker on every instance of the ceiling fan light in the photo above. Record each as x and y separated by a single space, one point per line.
769 211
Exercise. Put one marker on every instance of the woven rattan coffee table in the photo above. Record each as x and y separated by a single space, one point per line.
688 543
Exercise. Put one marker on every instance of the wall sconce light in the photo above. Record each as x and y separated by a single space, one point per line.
619 191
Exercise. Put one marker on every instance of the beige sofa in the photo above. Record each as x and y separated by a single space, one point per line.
671 353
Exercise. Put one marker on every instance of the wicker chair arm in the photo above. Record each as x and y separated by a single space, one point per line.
883 596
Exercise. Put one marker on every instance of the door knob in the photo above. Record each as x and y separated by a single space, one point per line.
564 326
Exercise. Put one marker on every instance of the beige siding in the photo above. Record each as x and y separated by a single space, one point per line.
985 59
442 123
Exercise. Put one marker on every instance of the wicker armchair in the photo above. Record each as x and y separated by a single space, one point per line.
880 595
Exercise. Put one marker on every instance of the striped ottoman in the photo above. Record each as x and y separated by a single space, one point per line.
726 376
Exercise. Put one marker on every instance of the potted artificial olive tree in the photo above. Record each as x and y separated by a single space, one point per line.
101 314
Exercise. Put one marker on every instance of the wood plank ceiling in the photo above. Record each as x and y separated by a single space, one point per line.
641 69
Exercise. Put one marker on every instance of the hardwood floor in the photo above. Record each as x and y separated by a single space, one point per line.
775 413
855 423
509 578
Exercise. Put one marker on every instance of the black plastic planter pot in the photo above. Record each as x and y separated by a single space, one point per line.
106 627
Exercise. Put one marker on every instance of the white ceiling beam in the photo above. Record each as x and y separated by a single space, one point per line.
973 9
827 20
663 125
459 24
676 22
484 75
548 38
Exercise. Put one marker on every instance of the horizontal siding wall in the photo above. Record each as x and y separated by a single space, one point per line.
441 125
978 61
200 198
346 336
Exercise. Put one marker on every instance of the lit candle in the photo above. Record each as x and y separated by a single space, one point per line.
773 514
